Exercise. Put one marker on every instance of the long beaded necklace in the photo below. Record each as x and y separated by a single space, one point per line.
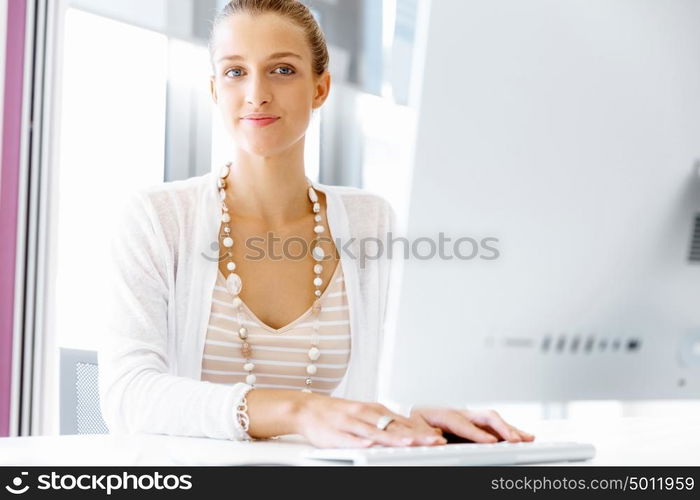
234 284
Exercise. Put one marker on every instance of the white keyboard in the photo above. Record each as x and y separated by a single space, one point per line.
501 453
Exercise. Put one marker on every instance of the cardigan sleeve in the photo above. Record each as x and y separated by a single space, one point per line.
137 388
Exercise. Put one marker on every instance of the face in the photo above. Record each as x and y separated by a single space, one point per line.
283 86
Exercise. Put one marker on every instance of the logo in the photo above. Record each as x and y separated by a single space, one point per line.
17 482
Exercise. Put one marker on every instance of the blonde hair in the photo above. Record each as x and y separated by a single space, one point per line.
293 10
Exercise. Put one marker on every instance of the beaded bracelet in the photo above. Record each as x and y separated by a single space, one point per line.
242 419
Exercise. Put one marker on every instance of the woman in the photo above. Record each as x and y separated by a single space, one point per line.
263 339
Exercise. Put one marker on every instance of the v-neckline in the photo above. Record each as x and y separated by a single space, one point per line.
294 322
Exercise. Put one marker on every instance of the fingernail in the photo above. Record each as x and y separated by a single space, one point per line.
407 441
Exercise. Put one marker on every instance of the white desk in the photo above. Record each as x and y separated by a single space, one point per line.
627 441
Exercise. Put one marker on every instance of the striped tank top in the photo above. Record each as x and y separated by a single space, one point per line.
280 355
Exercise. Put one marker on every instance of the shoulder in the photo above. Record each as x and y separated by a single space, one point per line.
366 213
166 207
181 193
167 199
362 204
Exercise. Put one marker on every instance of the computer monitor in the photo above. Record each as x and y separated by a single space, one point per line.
562 139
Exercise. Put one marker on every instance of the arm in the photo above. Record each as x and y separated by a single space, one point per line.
137 393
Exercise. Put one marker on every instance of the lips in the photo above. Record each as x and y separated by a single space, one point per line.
261 122
258 116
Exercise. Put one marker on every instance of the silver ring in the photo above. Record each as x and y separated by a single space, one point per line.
384 422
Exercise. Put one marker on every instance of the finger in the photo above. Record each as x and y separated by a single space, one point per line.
490 430
365 430
407 432
419 422
415 435
420 430
526 436
398 419
347 440
456 423
495 421
409 422
513 436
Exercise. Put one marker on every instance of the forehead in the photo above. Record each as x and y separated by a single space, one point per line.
257 37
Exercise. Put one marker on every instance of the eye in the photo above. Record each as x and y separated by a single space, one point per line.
289 73
286 67
229 71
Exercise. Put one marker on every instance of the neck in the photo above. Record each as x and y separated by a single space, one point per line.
268 190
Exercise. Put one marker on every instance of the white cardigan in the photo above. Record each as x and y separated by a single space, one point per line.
163 272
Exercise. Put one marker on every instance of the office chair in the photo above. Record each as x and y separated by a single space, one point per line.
79 395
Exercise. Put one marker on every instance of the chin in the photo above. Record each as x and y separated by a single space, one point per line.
264 150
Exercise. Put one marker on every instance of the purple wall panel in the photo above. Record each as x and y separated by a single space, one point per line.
9 188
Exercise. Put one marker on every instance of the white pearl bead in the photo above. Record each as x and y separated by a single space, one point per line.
243 332
318 281
317 293
311 369
234 284
317 207
312 195
224 171
250 379
314 353
319 229
236 302
226 218
317 218
249 367
318 268
305 390
222 195
318 253
228 242
231 266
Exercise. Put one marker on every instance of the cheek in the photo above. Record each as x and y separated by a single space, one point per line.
228 95
301 102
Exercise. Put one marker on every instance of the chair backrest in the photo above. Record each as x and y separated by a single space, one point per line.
79 393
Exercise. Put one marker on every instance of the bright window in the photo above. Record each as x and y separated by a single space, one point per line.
112 123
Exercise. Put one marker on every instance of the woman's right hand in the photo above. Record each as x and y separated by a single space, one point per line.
329 422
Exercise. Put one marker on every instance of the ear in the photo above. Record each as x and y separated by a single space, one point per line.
212 89
323 88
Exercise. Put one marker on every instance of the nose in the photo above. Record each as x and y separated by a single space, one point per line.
257 92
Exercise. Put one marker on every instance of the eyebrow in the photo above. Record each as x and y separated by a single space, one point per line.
276 55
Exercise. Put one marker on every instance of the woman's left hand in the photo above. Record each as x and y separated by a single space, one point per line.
481 426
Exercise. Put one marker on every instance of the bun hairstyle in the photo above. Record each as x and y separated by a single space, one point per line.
293 10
